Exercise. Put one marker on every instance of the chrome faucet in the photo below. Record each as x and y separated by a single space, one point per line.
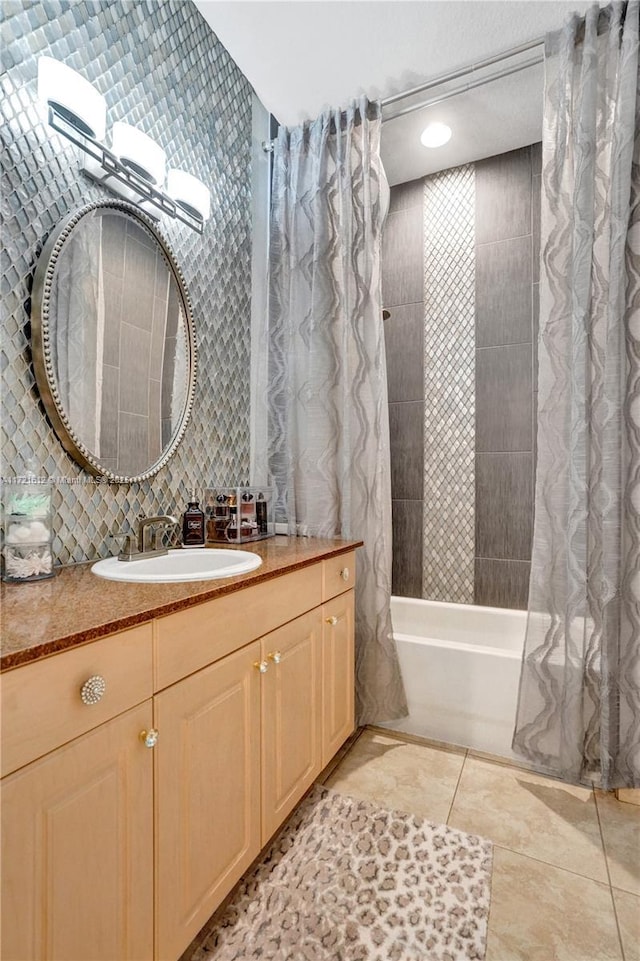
143 550
146 522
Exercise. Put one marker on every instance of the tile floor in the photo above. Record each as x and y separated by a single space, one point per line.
566 873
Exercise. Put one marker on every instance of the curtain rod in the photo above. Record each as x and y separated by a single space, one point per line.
268 145
464 71
471 85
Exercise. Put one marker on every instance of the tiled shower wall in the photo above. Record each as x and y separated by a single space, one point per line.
507 216
161 68
403 296
461 388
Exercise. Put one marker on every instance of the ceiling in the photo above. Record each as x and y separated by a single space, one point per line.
302 56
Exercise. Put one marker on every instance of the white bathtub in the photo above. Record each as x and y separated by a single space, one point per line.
461 667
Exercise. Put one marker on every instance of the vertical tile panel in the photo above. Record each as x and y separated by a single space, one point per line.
402 276
406 195
407 445
139 283
113 243
449 343
112 291
402 294
503 196
508 210
503 292
133 433
109 412
407 548
502 583
135 354
404 337
504 505
503 398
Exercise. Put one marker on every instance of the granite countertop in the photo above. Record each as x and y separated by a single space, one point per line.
44 617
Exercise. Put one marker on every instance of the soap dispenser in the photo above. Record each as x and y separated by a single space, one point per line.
193 529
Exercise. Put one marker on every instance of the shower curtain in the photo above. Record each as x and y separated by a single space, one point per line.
324 372
579 705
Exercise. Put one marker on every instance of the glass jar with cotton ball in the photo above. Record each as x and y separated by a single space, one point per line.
27 553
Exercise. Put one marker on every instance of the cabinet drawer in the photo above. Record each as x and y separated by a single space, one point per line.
191 639
41 703
338 575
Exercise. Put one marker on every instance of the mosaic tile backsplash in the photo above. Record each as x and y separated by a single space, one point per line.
161 68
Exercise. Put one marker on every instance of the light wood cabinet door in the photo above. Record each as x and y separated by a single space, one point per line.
77 849
337 674
291 717
207 793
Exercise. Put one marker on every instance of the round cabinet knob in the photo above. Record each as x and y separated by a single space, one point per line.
261 666
149 738
344 573
275 656
93 689
333 620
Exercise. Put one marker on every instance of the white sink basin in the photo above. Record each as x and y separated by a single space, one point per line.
190 564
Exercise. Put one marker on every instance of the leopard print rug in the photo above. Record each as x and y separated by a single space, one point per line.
346 880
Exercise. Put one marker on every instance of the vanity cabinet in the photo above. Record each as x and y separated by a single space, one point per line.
77 836
77 849
112 850
240 743
207 793
291 717
338 666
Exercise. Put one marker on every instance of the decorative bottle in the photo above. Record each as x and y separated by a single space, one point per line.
193 521
261 514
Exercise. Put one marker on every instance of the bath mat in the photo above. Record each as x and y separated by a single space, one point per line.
346 880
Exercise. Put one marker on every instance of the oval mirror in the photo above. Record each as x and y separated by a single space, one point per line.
113 341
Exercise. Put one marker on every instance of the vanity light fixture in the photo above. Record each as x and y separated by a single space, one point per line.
139 153
72 97
189 193
436 135
134 167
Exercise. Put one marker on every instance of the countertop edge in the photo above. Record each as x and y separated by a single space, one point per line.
15 659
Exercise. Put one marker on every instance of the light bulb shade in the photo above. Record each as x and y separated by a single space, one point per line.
72 96
139 152
190 193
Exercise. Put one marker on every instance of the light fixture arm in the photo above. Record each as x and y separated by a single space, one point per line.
113 167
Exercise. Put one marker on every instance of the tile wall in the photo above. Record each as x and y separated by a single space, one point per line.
161 68
506 271
403 297
492 428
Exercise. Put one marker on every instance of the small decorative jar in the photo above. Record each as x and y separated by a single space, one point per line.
27 552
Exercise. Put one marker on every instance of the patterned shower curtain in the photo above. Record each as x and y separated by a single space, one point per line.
579 706
327 445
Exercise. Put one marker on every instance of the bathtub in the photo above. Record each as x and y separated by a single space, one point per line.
461 667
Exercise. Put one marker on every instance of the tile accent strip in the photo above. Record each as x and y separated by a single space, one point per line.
449 371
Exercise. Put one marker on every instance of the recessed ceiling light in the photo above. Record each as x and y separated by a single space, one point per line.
436 135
